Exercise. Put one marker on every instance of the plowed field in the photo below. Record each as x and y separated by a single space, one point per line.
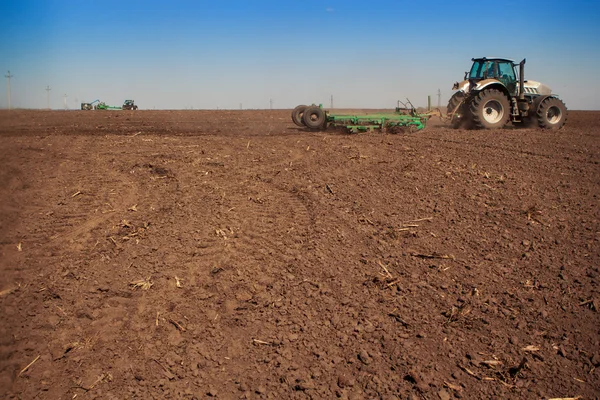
230 254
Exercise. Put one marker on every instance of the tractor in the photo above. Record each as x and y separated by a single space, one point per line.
129 105
495 92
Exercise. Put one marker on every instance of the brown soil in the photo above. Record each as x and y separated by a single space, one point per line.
293 264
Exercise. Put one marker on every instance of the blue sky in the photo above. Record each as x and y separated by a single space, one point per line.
223 53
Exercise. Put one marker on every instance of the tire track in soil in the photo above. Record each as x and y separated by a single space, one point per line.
65 225
466 146
97 195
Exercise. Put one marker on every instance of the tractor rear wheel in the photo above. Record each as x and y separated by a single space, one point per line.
455 109
297 115
551 113
490 109
314 117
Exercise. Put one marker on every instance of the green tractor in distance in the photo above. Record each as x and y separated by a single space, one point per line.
129 105
495 92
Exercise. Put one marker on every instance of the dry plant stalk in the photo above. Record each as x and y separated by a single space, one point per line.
100 379
29 365
7 291
143 284
177 325
435 255
566 398
387 272
418 220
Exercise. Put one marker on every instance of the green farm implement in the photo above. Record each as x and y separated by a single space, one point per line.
127 105
404 118
103 106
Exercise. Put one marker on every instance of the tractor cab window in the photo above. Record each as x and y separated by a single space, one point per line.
483 69
506 71
477 70
507 75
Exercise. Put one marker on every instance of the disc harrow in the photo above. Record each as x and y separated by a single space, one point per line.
404 118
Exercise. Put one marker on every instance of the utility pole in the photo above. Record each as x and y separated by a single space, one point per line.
8 76
270 104
65 97
241 106
331 102
439 98
48 96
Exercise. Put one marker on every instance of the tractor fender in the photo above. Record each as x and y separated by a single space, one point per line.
467 86
461 86
488 83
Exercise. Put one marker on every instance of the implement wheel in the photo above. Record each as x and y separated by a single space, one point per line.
297 115
490 109
551 113
314 117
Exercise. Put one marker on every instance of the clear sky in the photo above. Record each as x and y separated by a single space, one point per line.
223 53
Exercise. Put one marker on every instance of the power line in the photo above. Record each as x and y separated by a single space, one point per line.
8 76
48 90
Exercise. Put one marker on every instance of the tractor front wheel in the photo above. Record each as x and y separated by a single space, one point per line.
551 113
490 109
314 118
297 115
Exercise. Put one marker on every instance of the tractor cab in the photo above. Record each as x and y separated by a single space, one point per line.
501 69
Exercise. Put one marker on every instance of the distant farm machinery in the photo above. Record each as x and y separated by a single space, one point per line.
127 105
89 106
405 118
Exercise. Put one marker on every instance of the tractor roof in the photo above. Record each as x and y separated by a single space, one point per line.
492 59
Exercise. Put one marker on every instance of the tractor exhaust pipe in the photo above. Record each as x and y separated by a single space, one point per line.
522 80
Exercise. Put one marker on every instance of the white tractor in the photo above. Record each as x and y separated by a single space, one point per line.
495 92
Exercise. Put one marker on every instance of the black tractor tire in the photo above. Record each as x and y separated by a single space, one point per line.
314 117
297 115
551 113
455 110
490 109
